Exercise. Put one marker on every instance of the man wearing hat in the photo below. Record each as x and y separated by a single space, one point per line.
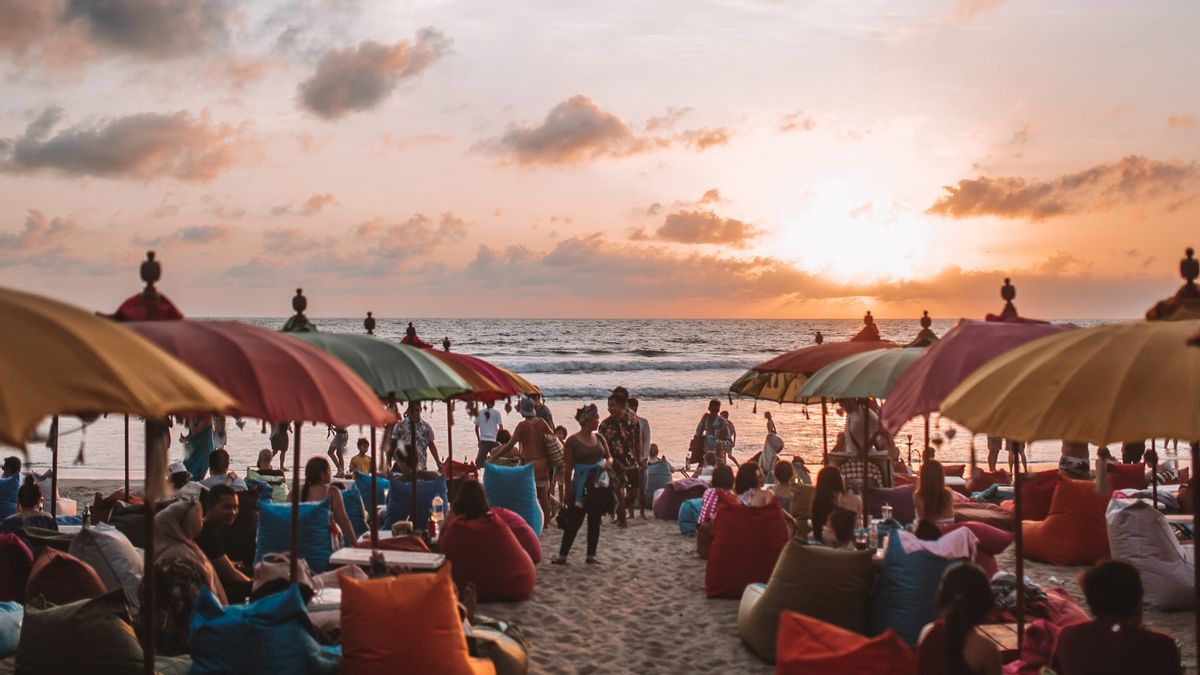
530 436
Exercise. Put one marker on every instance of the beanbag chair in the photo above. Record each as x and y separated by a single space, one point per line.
983 480
810 646
907 589
16 561
1126 476
521 530
500 643
432 640
992 542
1037 491
988 514
61 578
270 635
102 506
666 506
689 513
115 560
485 552
825 583
277 484
275 527
86 636
8 494
512 487
1075 531
1140 535
900 499
658 476
801 508
956 470
746 543
363 481
11 615
399 501
355 510
130 519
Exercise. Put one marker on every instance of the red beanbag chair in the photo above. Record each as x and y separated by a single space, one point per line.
666 506
484 551
1075 532
16 560
747 540
1037 489
522 531
808 646
956 470
992 542
983 480
1126 476
62 578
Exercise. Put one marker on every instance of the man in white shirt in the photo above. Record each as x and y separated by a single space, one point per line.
487 423
219 473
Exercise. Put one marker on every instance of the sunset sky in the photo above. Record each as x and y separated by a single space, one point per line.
618 159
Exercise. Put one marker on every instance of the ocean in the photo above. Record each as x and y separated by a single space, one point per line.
673 366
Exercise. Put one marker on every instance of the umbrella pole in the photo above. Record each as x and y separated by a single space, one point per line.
1196 528
54 467
450 449
127 457
926 446
374 495
155 432
866 458
824 435
295 562
1019 541
412 447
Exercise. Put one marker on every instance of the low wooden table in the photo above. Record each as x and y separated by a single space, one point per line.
414 560
1005 637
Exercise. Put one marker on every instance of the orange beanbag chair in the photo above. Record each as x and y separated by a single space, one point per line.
485 552
747 540
808 646
522 531
62 578
1126 476
16 561
1075 531
430 638
983 480
1037 489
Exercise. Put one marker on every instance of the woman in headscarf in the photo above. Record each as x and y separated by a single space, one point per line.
175 531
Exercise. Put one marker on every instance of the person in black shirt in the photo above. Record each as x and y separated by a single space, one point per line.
222 511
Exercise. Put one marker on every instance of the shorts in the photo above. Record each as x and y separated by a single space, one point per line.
1075 467
340 440
541 472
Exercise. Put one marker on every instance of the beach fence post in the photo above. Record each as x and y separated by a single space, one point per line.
449 446
295 548
374 496
866 458
54 467
155 434
824 435
127 457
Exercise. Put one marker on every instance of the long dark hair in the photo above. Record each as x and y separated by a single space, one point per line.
29 493
963 599
313 470
747 477
931 489
722 477
829 483
471 501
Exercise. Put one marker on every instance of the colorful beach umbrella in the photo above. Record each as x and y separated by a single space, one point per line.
393 371
495 382
866 375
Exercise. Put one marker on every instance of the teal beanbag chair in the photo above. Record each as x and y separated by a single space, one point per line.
513 488
274 532
907 590
270 635
8 495
658 476
355 510
689 513
11 614
363 481
399 501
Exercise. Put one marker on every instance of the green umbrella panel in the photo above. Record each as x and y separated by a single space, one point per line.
867 375
391 370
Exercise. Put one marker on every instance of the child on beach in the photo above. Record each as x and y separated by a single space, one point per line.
362 461
337 448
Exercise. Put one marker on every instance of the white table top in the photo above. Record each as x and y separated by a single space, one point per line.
414 559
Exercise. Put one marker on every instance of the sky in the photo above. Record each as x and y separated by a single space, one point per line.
731 159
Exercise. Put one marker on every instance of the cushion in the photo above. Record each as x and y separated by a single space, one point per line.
746 543
801 508
363 481
11 615
399 501
512 487
60 578
1140 535
689 513
666 507
16 561
1037 490
356 511
992 542
8 495
901 500
239 539
983 480
822 582
485 552
1075 531
990 514
658 476
809 646
499 643
130 519
270 635
956 470
425 605
521 530
115 560
98 632
277 484
102 506
907 589
1126 476
275 527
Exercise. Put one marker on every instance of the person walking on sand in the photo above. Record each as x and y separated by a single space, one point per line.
279 442
732 429
337 447
529 437
199 445
488 422
587 497
425 444
621 431
644 455
713 430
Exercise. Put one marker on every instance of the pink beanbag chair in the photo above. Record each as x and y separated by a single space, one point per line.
62 578
522 531
747 541
16 561
484 551
992 542
666 505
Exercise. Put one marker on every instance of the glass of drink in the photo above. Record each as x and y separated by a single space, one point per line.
887 512
860 539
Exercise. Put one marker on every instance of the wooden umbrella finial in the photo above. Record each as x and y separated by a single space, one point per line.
1185 304
369 324
298 323
151 272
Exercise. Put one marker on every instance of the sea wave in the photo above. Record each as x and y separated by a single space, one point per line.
568 367
592 394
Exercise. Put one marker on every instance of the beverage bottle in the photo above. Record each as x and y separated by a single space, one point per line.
436 514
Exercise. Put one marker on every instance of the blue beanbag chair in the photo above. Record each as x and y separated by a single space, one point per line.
363 481
8 494
658 476
355 511
67 520
260 489
689 513
513 488
907 590
275 532
271 635
11 614
399 501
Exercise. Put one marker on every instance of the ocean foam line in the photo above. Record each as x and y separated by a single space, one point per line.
593 394
569 367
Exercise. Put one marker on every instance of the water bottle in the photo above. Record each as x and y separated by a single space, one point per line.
872 537
437 510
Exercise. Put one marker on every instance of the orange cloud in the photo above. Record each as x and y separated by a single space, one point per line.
797 121
1178 122
701 227
1130 179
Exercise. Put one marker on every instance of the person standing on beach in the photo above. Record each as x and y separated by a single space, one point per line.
488 422
586 457
539 403
530 437
279 442
337 447
425 444
770 423
621 432
732 429
713 430
644 455
199 445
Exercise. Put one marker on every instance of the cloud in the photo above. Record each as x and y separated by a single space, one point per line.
41 235
156 29
31 34
1179 122
1022 136
311 206
145 146
416 236
667 120
701 227
1130 179
292 240
360 78
193 234
797 121
578 131
710 196
965 10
